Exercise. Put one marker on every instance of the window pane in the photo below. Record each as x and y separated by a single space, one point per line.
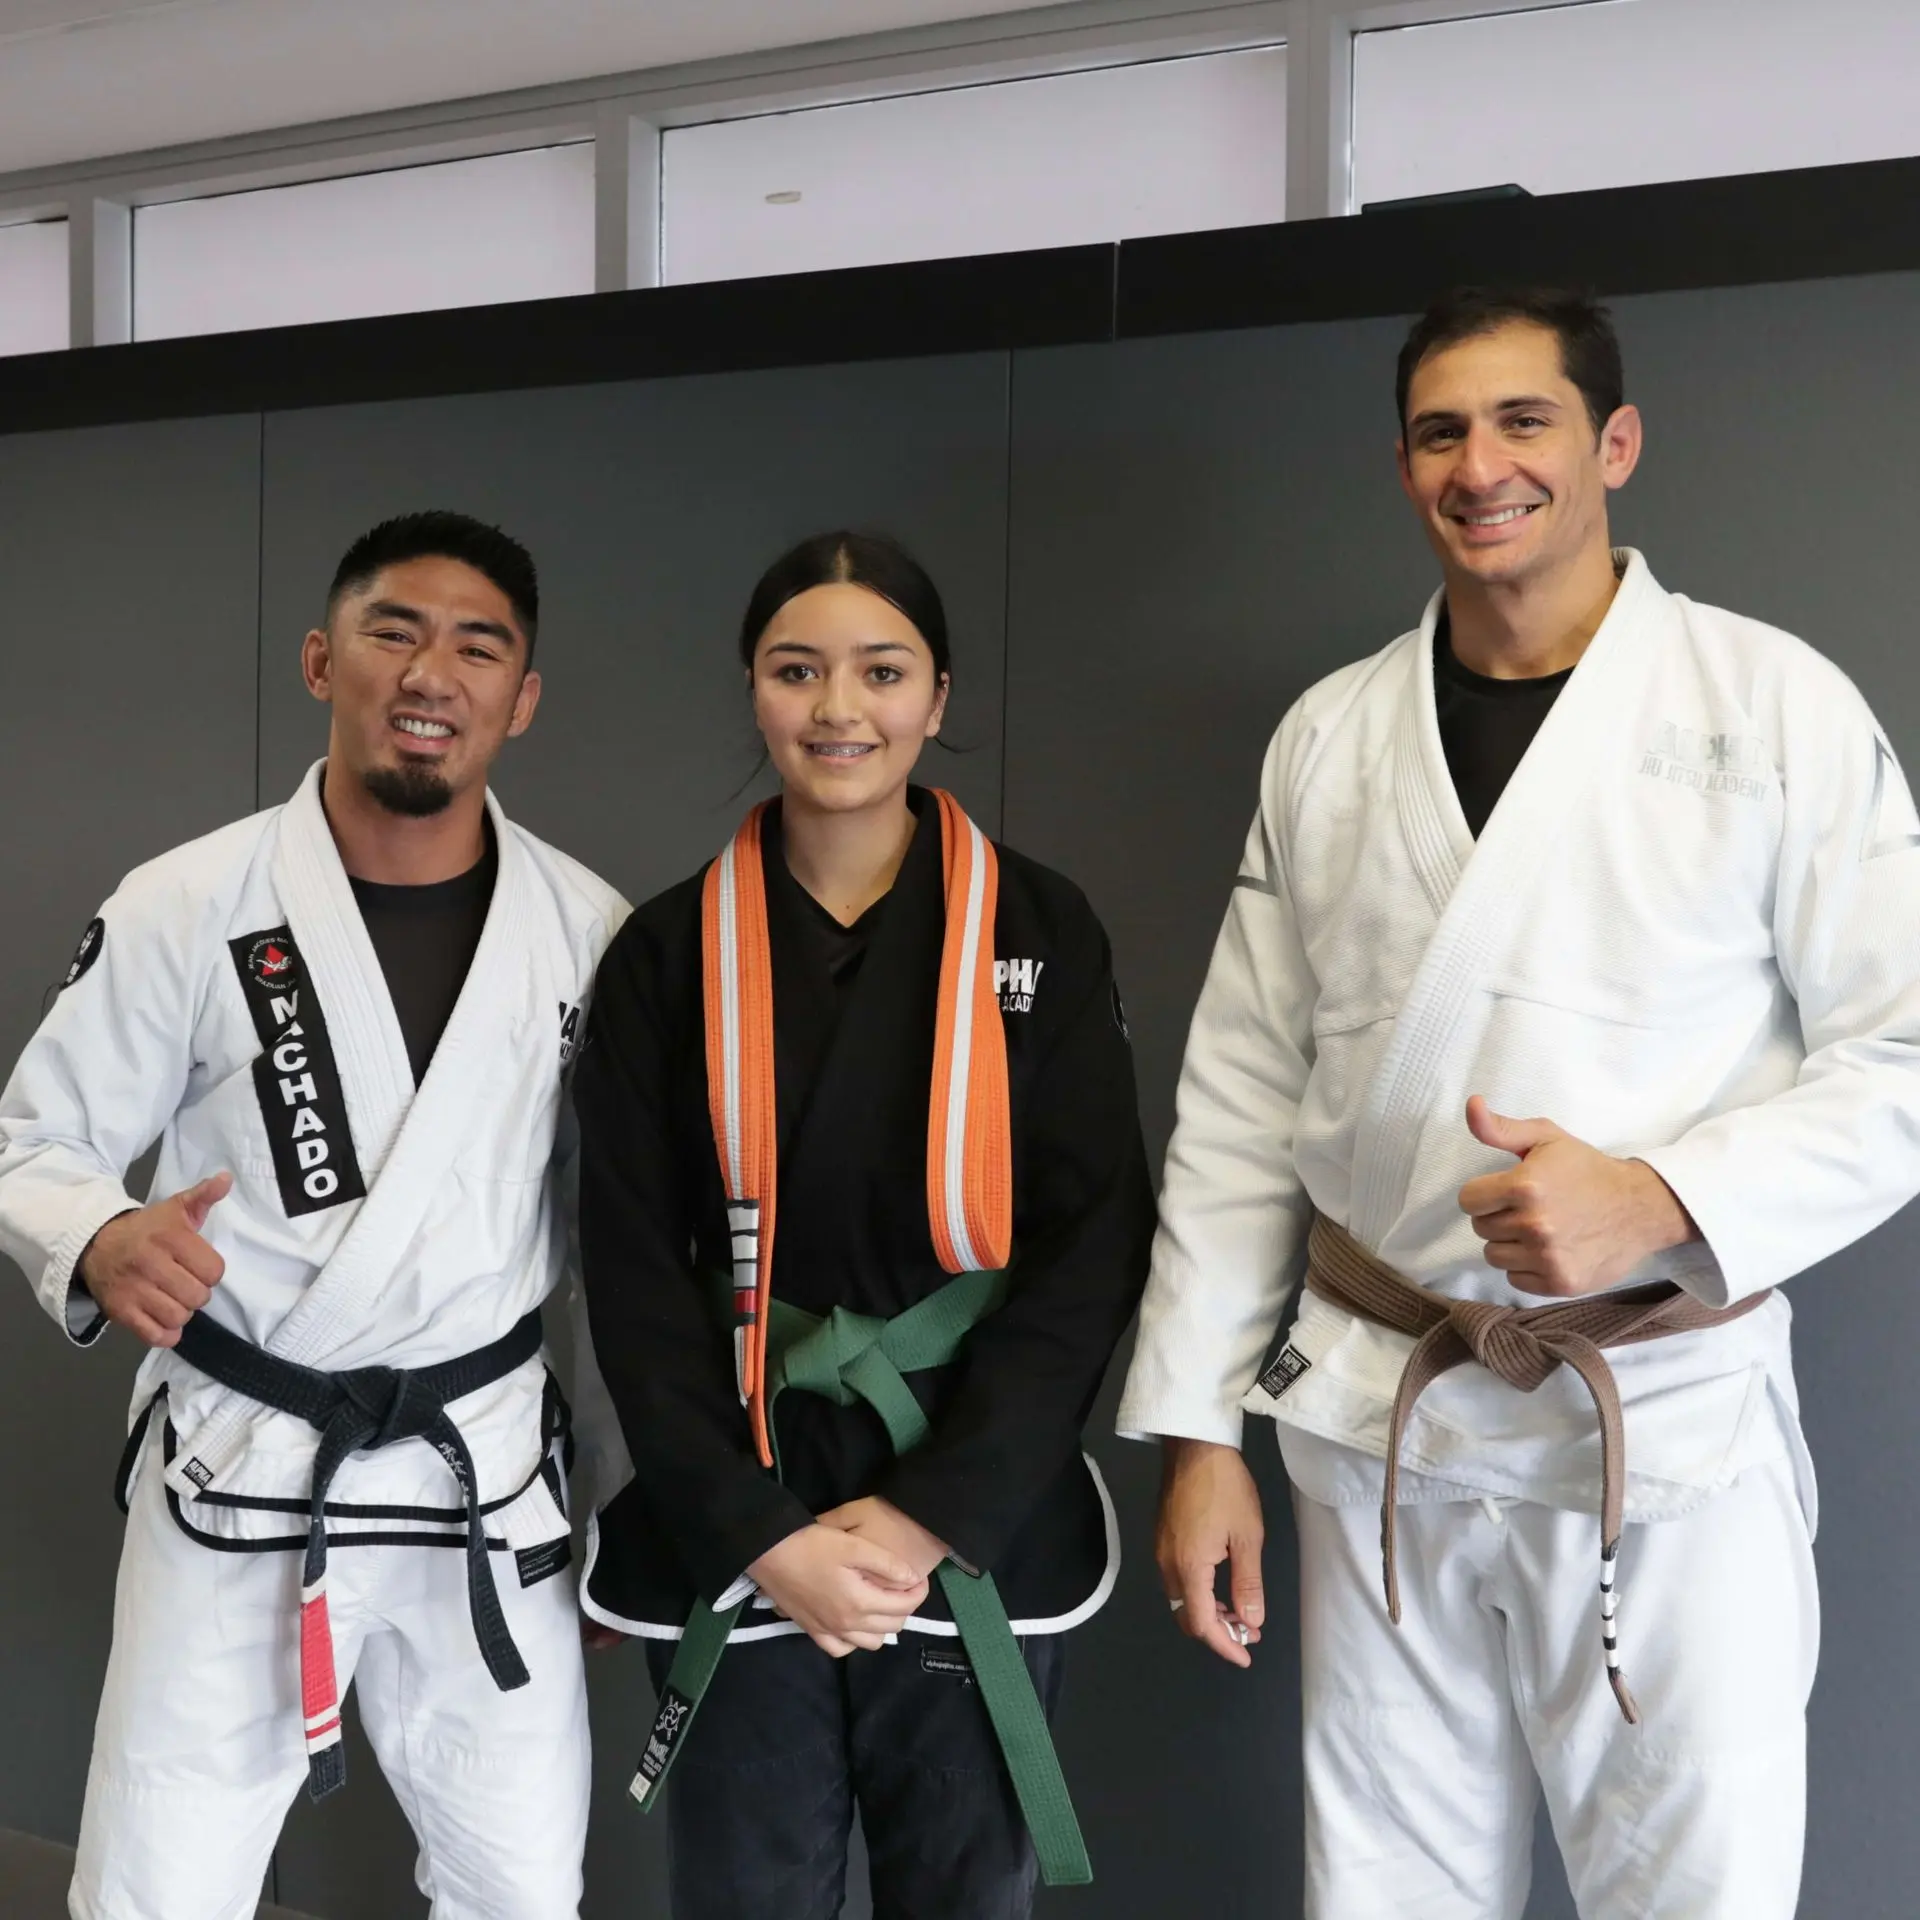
33 287
1633 90
1156 148
513 226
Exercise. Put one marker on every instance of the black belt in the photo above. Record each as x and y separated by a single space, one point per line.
362 1410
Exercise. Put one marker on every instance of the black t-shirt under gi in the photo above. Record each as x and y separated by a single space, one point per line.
426 938
1486 725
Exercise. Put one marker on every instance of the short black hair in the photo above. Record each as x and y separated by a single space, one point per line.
441 535
846 558
1589 347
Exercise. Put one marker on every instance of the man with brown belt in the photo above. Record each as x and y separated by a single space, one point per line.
1579 848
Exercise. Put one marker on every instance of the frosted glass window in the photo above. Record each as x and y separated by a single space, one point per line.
1159 147
33 287
1633 90
512 226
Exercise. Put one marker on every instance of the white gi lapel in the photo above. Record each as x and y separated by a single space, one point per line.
1478 896
406 1139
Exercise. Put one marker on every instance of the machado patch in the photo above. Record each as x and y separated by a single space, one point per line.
295 1077
86 953
1285 1371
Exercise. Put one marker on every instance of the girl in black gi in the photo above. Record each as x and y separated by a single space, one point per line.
788 1107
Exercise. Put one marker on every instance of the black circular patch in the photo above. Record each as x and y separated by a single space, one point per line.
271 962
87 952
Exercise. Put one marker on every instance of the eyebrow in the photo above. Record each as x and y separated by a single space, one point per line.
866 646
399 610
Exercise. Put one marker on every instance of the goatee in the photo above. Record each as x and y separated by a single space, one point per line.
415 792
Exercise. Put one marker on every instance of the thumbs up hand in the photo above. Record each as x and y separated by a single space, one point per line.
150 1270
1568 1219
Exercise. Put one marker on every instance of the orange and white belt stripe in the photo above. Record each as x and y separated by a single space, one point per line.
969 1130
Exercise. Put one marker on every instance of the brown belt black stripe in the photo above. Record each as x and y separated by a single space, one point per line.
1522 1346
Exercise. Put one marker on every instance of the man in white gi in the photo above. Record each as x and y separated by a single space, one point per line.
347 1021
1568 1001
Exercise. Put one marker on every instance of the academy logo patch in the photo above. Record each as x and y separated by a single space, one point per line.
1120 1015
86 953
270 961
1285 1371
569 1032
1015 981
295 1077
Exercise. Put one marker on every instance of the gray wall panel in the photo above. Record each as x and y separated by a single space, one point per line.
1204 525
129 557
651 510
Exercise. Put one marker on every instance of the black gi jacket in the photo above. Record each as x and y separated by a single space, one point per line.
1001 1477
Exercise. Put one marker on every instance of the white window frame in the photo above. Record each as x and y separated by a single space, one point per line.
625 115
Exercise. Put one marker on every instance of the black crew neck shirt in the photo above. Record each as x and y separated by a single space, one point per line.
426 938
1486 725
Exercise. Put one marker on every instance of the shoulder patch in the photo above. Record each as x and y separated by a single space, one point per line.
86 953
1120 1015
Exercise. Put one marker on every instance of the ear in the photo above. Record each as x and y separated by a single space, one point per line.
1621 441
525 703
1401 466
316 665
939 712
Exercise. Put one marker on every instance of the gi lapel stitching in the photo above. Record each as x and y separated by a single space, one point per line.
1558 767
407 1168
1437 837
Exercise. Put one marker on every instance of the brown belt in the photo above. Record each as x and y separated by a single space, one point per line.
1522 1345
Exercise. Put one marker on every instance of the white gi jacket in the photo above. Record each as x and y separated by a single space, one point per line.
1690 933
229 1002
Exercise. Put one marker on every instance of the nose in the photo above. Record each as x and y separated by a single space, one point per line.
1483 462
428 674
838 701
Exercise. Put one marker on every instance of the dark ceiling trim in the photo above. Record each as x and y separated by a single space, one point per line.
994 302
1808 224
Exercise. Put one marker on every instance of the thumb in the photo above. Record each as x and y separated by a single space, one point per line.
199 1201
1509 1136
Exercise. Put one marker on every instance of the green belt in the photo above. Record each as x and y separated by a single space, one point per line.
846 1358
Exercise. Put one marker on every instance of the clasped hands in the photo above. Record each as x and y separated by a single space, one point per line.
851 1579
1566 1219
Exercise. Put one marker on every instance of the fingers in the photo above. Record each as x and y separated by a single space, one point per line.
597 1638
1244 1584
878 1565
1493 1194
189 1251
146 1329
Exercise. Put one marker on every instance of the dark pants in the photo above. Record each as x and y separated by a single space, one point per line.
788 1741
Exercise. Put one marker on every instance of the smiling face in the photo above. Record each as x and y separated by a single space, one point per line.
1501 460
425 669
845 695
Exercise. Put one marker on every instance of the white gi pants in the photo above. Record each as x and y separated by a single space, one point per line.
198 1752
1426 1744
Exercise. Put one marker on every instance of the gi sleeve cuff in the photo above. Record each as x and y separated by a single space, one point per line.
1182 1420
61 1288
719 1560
1698 1265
